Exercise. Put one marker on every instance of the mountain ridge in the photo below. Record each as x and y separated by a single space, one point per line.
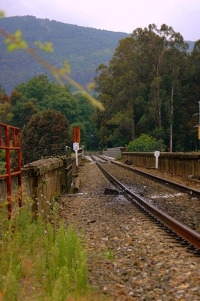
84 48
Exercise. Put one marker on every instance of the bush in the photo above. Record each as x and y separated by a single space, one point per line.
45 135
145 143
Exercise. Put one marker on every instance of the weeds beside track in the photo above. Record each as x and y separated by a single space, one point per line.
41 260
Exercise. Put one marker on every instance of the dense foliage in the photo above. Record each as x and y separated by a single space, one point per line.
84 48
145 143
5 107
46 134
39 95
152 86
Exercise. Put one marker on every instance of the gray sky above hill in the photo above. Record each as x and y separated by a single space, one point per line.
115 15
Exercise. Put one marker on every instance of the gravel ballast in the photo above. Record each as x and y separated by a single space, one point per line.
183 207
129 256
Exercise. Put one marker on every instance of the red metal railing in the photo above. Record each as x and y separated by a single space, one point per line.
10 141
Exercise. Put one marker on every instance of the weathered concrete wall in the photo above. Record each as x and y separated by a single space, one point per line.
113 152
45 179
182 164
42 181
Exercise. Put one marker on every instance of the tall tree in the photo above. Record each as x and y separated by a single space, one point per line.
143 86
154 43
175 67
120 85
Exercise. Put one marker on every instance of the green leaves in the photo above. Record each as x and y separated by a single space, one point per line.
2 14
46 46
90 86
66 69
15 41
145 143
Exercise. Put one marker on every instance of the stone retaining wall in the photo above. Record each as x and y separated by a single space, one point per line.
181 164
42 181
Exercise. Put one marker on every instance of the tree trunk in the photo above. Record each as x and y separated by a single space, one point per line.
132 122
171 119
132 112
159 108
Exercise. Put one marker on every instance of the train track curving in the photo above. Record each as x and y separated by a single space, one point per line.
183 233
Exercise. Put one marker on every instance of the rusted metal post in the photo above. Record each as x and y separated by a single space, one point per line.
8 146
19 168
7 140
76 134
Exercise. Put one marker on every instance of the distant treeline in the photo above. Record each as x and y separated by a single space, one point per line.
151 86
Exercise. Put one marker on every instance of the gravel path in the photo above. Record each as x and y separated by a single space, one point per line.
129 257
179 205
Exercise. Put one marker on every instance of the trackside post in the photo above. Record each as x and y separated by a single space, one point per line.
76 142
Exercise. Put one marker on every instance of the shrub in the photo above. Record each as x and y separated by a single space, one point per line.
145 143
45 135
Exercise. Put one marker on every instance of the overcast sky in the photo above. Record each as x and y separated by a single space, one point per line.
115 15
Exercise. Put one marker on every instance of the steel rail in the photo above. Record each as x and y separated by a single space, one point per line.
178 186
100 157
185 232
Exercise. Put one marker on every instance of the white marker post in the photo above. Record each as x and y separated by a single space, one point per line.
156 155
76 148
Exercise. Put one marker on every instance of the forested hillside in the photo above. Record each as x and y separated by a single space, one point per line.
151 86
84 48
148 84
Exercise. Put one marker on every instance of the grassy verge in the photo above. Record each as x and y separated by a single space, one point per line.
42 261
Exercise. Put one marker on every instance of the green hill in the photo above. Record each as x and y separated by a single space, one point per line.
84 48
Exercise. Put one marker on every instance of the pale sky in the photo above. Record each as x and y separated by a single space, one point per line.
115 15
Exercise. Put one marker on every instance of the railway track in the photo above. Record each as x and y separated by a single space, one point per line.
180 187
186 235
177 200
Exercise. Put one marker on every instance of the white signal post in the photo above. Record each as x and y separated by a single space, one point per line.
76 148
156 155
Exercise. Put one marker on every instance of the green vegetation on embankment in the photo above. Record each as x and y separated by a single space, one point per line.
41 260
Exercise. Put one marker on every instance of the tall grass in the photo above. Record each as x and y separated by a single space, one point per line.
41 260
